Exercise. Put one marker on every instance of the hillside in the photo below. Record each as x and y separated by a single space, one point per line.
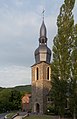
1 88
25 88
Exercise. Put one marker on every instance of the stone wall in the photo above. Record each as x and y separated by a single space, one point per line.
40 87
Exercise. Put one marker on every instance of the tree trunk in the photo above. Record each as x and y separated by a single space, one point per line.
74 115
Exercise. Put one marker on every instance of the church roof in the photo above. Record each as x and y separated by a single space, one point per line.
43 53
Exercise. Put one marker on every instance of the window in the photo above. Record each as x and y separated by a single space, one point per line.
48 73
49 99
37 73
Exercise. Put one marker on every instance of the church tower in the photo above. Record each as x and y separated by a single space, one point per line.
41 83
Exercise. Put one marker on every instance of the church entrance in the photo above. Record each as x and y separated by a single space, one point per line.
37 108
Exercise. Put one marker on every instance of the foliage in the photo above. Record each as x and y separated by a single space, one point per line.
62 49
58 93
4 100
73 82
15 100
10 98
1 88
23 89
50 110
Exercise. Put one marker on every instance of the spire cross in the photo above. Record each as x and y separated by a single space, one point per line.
43 13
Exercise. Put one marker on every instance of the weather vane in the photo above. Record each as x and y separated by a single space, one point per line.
43 13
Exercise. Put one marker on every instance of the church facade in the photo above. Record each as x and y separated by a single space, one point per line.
41 81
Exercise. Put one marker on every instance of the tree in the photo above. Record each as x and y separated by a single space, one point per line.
62 48
58 93
10 100
73 82
15 99
4 100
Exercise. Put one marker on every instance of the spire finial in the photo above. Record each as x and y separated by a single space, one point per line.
43 14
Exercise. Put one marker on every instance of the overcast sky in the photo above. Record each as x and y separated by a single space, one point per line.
20 22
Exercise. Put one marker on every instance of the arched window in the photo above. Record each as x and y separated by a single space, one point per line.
37 73
48 73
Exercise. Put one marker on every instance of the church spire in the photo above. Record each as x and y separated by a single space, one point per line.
43 32
42 53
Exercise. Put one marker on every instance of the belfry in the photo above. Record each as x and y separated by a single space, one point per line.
41 81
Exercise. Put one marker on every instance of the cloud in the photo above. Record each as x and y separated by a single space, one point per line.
75 2
17 35
19 2
20 22
15 75
14 24
21 35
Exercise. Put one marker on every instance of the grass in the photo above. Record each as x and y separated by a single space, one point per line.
38 117
10 115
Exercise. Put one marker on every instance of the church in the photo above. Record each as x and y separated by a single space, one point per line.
41 71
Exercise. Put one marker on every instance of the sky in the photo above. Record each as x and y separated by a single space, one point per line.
20 22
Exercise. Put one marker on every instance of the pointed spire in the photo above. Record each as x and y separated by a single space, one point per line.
43 30
42 53
43 27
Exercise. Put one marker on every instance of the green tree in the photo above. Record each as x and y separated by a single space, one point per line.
73 82
62 48
4 100
58 93
15 100
10 100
